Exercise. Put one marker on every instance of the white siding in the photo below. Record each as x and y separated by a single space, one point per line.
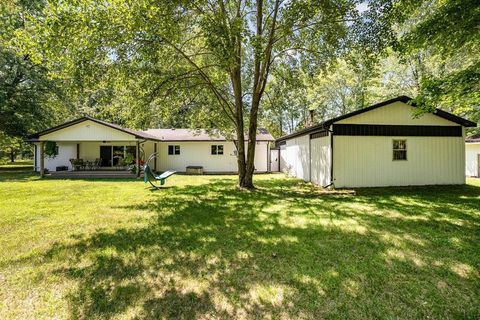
87 131
361 161
191 154
199 154
472 151
261 156
366 161
320 160
297 157
283 158
149 149
66 151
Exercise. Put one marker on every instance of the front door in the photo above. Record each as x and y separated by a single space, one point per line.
106 155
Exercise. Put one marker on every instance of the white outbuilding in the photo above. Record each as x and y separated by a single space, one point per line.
472 156
386 144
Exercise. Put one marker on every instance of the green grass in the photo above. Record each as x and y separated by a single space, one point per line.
200 248
17 165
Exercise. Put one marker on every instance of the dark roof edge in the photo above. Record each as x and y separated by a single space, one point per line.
405 99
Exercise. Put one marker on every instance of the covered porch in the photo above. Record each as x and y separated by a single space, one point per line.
79 158
89 147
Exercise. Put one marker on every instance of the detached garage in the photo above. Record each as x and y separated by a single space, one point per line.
382 145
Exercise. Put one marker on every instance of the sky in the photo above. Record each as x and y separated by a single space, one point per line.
363 6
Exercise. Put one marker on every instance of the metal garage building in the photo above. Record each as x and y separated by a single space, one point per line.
382 145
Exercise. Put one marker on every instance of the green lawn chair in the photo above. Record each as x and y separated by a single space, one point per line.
155 180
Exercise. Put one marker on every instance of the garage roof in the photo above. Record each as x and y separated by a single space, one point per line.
405 99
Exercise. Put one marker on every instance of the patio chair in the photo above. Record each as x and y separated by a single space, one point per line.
77 164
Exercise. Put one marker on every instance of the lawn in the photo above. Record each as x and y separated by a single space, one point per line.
200 248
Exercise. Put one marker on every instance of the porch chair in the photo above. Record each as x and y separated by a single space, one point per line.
77 164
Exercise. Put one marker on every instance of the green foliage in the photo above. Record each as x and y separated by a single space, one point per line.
424 49
29 99
51 149
447 33
12 147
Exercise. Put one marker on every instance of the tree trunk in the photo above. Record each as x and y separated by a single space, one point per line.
236 79
12 155
252 141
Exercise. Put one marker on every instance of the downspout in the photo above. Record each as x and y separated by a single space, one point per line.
269 161
331 160
309 158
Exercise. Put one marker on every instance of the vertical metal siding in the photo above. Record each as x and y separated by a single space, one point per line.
320 160
297 157
367 161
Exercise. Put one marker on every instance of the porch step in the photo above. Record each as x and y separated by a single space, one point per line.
104 174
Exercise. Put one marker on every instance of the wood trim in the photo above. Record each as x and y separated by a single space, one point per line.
35 157
396 130
137 158
42 159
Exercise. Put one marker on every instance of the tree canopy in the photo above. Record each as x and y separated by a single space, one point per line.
232 65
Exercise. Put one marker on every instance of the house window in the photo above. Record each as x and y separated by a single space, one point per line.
173 150
217 149
399 149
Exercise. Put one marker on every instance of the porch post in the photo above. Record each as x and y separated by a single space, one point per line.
155 159
42 159
137 156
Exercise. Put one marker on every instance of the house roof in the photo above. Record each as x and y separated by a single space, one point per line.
154 134
473 139
137 134
199 135
405 99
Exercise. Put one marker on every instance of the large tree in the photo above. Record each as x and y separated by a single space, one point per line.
28 96
444 34
221 51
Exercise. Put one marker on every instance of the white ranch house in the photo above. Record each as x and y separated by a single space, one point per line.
93 140
382 145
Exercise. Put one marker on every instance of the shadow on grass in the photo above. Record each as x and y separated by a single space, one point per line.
16 174
283 252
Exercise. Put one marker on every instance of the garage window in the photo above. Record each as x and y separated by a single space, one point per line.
399 150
